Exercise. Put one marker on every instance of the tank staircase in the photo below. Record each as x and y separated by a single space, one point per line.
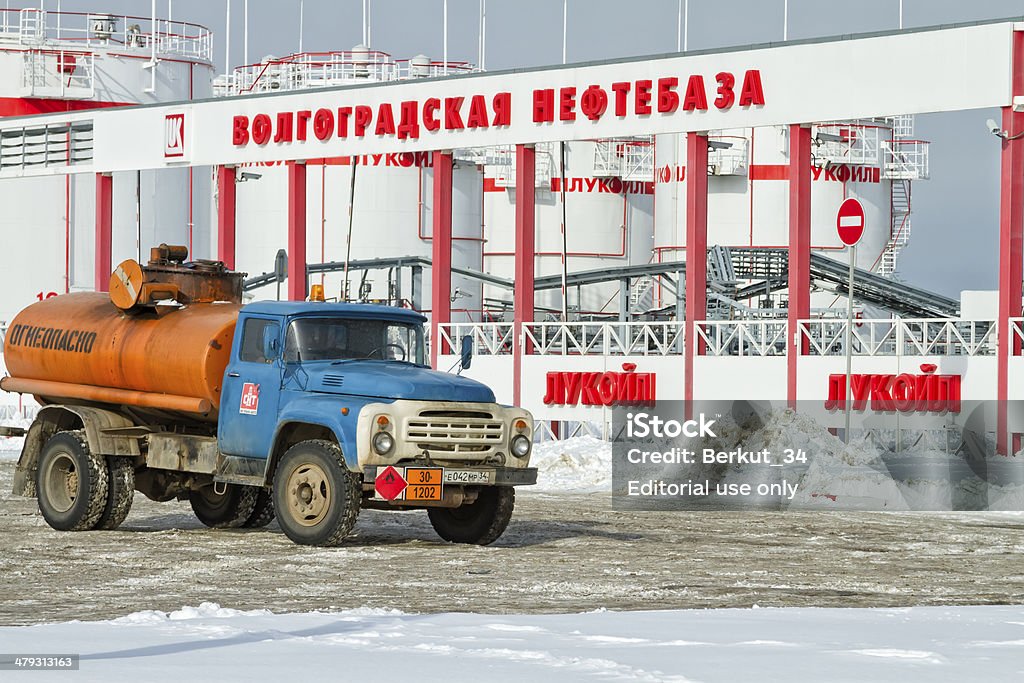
831 275
900 231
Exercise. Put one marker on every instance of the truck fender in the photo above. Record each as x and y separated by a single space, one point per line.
54 418
316 413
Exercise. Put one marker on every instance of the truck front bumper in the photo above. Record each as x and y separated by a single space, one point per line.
462 476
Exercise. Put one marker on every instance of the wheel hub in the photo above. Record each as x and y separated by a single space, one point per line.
309 494
61 482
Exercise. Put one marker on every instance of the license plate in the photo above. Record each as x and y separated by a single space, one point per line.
424 483
467 477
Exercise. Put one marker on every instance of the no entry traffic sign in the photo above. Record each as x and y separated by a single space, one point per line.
850 222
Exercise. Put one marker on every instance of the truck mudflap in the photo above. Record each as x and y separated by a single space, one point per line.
426 483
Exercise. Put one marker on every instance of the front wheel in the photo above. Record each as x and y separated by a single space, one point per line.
316 497
227 510
480 522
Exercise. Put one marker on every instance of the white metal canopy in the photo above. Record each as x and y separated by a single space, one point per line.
850 77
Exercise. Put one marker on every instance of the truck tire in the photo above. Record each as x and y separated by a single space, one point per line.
120 492
480 522
71 483
229 510
263 513
316 497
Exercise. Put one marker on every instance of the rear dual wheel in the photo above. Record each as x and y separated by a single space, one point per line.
80 490
71 483
224 506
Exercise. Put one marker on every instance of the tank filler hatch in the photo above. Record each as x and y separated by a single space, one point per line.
170 277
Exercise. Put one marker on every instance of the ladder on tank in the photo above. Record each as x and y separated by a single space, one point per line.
899 234
31 26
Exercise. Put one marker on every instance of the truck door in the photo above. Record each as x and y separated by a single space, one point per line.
252 388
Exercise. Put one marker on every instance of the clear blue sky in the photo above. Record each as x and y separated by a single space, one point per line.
955 224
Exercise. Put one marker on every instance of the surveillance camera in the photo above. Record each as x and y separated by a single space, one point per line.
994 128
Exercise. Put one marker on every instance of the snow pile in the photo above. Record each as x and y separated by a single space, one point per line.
792 644
206 610
579 465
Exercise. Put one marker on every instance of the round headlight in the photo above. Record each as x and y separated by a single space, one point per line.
383 443
520 445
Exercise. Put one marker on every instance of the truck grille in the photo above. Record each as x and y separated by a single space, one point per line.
455 431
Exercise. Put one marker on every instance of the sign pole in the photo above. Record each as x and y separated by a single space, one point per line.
850 228
849 343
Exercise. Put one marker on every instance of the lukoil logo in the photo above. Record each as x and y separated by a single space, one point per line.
174 135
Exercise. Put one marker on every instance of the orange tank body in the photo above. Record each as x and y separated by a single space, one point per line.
83 339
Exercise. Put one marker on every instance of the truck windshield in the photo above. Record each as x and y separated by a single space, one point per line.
317 339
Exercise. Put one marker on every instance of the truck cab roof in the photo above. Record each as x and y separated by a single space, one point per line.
370 311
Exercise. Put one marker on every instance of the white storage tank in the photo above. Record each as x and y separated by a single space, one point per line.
609 210
393 217
393 199
70 61
748 190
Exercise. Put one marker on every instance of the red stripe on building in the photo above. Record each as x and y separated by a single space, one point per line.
27 106
769 172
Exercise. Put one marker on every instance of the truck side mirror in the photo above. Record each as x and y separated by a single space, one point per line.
270 342
467 352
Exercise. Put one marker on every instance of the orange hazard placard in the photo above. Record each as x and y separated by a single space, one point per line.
424 483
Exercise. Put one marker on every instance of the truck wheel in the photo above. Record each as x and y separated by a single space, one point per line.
120 493
228 510
480 522
316 497
71 483
263 513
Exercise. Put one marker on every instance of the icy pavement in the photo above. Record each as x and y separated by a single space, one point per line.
561 553
796 644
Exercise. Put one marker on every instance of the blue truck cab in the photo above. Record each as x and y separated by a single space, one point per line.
332 407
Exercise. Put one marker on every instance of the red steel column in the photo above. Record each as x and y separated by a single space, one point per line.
104 229
226 215
526 216
799 249
696 253
298 282
441 263
1011 243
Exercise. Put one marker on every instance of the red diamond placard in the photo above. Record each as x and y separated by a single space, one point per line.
389 483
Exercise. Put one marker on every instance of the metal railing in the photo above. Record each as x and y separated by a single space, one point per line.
570 339
856 144
743 337
626 158
322 69
906 160
732 160
33 27
489 339
58 73
500 164
906 337
606 339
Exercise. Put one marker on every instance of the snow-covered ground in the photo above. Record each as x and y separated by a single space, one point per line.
213 643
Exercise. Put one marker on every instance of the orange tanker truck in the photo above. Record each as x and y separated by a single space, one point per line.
305 412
